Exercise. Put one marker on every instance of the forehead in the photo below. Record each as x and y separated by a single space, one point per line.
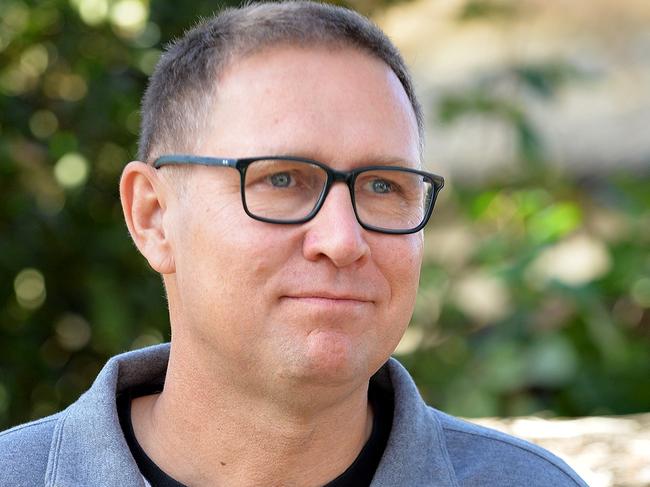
337 104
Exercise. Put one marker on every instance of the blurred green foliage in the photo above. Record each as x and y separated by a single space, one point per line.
535 289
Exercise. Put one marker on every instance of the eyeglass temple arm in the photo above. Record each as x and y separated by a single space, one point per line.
179 159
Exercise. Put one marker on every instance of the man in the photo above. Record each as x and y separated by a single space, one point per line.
289 280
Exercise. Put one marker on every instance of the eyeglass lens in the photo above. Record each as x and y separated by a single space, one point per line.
284 190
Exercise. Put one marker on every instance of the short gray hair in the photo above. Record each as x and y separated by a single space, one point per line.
177 102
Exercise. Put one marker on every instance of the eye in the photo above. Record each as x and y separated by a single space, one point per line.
381 186
281 180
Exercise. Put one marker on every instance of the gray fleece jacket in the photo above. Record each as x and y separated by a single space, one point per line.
83 445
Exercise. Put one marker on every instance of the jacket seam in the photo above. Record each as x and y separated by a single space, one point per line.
51 472
21 427
441 439
521 447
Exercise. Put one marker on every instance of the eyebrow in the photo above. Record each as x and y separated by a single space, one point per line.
371 160
383 160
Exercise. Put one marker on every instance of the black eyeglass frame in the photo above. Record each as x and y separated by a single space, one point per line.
333 176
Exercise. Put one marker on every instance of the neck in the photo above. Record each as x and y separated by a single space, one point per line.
203 430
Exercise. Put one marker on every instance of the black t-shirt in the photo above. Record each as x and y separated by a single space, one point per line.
359 474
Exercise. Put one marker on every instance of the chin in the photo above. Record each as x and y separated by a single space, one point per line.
331 357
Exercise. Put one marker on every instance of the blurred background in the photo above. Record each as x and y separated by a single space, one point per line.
535 290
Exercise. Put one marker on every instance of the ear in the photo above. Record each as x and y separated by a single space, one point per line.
143 195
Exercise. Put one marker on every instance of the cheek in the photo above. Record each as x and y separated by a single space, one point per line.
231 257
400 260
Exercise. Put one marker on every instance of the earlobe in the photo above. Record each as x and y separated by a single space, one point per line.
143 197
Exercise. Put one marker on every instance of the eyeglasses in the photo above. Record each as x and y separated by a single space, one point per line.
289 190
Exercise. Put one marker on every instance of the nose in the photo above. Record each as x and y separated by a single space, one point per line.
335 233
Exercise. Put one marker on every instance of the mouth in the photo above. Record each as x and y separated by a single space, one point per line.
327 299
328 296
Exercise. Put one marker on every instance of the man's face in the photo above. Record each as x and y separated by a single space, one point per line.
324 302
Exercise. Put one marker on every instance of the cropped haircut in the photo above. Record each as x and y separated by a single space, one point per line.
183 87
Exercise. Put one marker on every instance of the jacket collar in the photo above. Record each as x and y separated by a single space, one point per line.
89 449
416 453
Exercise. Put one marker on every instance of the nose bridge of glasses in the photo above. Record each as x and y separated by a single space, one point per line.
342 177
335 176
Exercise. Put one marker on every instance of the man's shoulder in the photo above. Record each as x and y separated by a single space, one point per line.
24 452
483 456
429 444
